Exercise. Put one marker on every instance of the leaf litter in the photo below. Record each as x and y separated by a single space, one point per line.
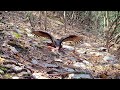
25 56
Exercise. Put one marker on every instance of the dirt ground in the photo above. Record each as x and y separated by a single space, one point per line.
25 56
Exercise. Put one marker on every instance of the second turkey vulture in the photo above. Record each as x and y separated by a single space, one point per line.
57 42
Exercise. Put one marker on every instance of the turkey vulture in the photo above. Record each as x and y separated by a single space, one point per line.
57 42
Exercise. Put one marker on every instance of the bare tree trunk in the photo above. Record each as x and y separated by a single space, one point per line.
72 15
45 22
107 21
40 20
107 29
65 20
31 20
111 31
104 22
96 20
72 19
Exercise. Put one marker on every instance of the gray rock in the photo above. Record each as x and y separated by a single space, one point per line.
1 71
87 63
34 61
81 65
68 47
13 49
58 60
17 68
15 77
87 44
97 53
50 65
72 58
79 76
38 76
69 69
81 51
47 65
109 58
102 49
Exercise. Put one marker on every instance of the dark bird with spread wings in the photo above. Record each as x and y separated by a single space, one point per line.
57 42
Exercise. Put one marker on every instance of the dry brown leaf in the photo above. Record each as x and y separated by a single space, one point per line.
2 60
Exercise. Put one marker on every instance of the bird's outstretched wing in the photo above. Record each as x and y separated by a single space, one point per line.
73 38
43 34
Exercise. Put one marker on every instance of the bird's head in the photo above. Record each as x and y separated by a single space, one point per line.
57 43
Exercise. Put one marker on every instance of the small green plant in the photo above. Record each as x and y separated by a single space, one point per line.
16 35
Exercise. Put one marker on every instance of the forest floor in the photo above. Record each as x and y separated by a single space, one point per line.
25 56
